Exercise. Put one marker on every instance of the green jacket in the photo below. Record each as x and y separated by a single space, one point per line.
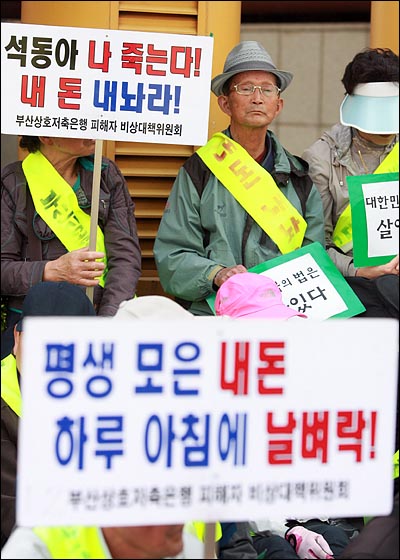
203 227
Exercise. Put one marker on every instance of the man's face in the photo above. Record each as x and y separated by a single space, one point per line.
255 110
146 542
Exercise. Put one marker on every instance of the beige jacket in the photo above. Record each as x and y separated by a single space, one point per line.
330 162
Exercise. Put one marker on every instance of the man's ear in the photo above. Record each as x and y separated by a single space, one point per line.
279 106
46 140
223 103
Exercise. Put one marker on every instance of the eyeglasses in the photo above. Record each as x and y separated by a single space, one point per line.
249 89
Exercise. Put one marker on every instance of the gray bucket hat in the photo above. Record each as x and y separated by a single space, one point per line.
249 55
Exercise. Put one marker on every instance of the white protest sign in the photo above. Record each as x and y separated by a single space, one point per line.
105 84
135 423
383 237
374 203
306 288
309 283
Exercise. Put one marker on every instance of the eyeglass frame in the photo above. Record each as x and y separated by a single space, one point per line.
277 90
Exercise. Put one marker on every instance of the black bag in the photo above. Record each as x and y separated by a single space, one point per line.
378 539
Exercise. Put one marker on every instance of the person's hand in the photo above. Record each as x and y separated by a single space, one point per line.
371 272
225 273
308 544
77 267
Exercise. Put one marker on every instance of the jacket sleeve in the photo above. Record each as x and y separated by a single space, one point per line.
18 273
236 541
122 244
183 267
315 219
318 157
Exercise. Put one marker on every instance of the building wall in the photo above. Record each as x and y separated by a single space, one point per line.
317 55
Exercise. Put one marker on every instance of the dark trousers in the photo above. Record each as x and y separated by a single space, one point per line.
273 547
380 296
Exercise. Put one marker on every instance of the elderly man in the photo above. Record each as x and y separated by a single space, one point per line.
242 198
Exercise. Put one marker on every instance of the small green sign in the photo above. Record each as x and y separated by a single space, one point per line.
310 283
374 201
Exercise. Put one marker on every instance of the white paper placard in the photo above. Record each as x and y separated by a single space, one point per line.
136 422
105 84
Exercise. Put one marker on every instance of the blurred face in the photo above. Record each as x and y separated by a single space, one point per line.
378 139
255 110
146 542
70 147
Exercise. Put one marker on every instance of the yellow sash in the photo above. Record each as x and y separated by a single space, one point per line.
343 234
10 391
57 204
254 188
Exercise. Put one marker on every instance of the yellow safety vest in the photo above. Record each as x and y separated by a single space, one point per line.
10 390
342 235
57 204
198 528
396 465
72 542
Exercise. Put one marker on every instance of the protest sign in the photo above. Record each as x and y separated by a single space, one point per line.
105 84
374 201
310 283
214 419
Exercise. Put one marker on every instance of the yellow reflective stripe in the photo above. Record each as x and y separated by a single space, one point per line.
56 203
255 189
198 528
72 542
395 475
10 390
342 235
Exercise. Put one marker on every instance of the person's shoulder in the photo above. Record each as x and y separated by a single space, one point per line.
11 169
109 166
336 135
24 543
378 539
330 139
298 165
198 172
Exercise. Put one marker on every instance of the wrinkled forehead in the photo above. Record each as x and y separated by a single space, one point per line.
256 77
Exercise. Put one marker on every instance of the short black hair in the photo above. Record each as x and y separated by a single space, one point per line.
30 143
371 65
